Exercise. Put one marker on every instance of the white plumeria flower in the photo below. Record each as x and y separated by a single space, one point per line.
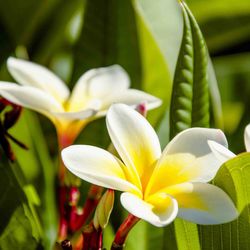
92 95
247 137
157 186
223 154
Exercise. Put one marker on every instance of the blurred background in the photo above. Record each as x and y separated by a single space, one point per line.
143 36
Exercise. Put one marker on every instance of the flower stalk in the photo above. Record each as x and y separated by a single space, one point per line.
92 238
93 197
123 231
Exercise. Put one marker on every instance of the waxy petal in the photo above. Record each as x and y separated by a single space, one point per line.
135 141
187 158
203 203
247 137
80 115
131 97
222 153
30 97
98 84
97 166
147 212
32 74
171 170
195 142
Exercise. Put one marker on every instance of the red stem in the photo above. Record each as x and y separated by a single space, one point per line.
92 238
93 198
63 141
123 231
63 224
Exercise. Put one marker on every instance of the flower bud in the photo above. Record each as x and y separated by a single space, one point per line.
103 210
142 109
66 245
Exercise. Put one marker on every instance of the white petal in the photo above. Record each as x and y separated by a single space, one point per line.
97 166
35 75
98 83
195 142
131 97
80 115
204 204
134 139
145 211
30 97
247 137
221 152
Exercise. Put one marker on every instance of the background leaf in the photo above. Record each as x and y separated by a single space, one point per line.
233 178
18 225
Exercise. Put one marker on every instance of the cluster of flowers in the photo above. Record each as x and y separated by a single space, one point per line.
157 186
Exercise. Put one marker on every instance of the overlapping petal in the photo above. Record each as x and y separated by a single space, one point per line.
147 212
195 142
98 84
203 203
97 166
222 153
187 158
32 74
80 115
30 97
131 97
135 141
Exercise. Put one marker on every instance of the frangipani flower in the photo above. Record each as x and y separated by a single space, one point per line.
223 154
247 137
157 186
92 95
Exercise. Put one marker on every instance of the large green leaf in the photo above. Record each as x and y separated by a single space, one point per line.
200 107
182 91
18 222
6 45
190 95
164 21
108 36
16 16
189 108
39 169
156 80
54 30
233 178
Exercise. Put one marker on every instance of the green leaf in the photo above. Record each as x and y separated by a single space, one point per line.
19 26
200 107
109 36
5 43
137 232
225 23
155 79
182 92
38 169
233 178
55 28
18 226
189 108
167 34
190 95
17 234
